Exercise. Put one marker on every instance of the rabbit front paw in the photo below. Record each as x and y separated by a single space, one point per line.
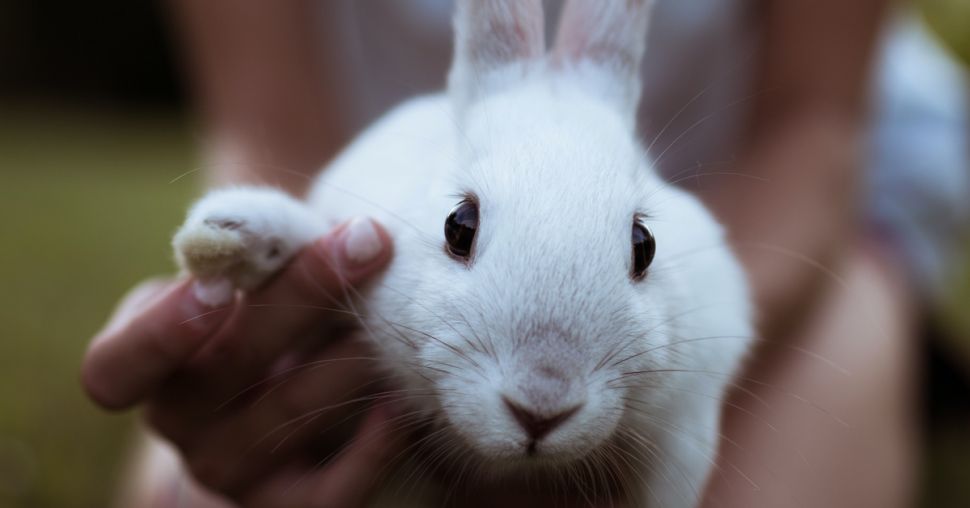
237 238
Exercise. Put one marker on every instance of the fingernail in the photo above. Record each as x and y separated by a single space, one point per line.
205 305
362 244
214 292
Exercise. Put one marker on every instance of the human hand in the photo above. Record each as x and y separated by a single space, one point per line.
226 386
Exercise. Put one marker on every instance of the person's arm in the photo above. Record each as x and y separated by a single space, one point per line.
804 141
798 232
259 76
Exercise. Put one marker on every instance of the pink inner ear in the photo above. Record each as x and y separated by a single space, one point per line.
609 33
498 32
491 35
506 41
522 36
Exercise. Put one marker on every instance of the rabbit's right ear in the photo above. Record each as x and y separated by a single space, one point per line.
608 37
494 42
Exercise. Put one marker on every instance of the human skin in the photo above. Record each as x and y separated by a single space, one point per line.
804 431
802 141
186 362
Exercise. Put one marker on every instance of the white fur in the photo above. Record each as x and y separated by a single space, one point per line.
546 309
244 234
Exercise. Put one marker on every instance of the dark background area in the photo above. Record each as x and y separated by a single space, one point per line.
94 133
108 53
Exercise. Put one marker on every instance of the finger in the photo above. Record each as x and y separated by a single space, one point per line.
156 329
297 408
349 480
297 302
140 297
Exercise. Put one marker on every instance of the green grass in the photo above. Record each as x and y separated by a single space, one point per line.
86 210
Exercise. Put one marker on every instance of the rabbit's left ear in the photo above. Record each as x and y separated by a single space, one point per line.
493 37
607 37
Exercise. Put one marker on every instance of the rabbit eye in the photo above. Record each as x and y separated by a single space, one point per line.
644 248
460 228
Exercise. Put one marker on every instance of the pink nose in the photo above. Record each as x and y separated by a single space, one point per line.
538 425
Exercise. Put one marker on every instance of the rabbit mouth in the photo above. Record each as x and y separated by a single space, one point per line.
595 475
524 454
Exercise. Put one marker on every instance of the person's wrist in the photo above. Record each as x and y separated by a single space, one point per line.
233 159
794 214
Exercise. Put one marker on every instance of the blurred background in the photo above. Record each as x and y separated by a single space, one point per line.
97 142
93 130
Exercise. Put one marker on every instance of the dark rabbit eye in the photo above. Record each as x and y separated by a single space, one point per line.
644 248
460 227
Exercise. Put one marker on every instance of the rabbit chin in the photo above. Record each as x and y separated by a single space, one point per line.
595 466
512 458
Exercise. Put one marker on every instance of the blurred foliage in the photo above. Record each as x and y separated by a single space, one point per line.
86 211
950 19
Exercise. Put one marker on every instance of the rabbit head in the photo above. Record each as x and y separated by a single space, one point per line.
571 281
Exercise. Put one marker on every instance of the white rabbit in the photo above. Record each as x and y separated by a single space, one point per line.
551 337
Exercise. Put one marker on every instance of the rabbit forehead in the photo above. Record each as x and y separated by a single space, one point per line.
550 152
547 120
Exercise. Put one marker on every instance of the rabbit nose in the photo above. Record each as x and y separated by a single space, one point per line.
538 425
